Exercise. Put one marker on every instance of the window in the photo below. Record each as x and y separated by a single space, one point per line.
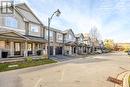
29 47
51 33
70 37
17 46
2 44
59 36
34 28
11 22
46 33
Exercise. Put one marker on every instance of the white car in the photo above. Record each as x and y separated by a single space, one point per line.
98 51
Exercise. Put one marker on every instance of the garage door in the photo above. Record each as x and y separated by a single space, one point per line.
58 50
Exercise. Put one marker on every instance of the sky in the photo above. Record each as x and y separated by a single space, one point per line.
111 17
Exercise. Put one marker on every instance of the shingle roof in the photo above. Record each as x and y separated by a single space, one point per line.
25 37
35 39
27 13
77 35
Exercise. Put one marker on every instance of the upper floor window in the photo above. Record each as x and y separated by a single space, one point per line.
70 37
59 36
51 33
11 22
46 34
34 28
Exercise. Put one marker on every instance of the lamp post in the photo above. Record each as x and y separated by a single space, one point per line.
57 13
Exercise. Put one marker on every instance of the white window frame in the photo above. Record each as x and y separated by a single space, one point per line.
11 22
34 28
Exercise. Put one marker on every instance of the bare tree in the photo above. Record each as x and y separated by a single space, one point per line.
95 37
94 33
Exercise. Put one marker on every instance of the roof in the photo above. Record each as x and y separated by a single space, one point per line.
71 43
54 29
27 13
11 34
6 31
78 35
81 44
35 39
67 31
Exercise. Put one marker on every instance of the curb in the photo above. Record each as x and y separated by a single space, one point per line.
124 77
125 80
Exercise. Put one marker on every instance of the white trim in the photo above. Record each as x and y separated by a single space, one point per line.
16 29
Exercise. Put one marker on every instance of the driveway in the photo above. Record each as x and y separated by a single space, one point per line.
91 71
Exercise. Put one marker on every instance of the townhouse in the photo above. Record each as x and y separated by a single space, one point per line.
80 44
87 41
69 42
21 33
56 41
61 42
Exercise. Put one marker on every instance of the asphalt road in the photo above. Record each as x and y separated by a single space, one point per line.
91 71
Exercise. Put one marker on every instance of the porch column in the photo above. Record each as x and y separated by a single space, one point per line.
54 50
0 53
26 49
33 49
82 50
73 49
46 49
76 50
11 48
70 50
43 49
86 50
63 51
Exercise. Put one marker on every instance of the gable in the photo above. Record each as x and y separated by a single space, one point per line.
11 35
70 32
27 13
22 6
81 36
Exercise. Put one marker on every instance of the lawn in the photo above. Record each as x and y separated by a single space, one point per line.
24 64
129 81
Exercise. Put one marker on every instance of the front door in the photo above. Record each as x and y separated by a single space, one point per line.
29 49
17 48
51 50
58 50
74 49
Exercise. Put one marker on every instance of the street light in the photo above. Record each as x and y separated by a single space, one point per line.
57 13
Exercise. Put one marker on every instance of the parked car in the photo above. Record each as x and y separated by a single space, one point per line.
129 52
98 51
105 51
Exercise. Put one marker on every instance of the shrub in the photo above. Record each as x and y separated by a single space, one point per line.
45 56
28 59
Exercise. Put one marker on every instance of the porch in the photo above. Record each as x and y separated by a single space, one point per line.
70 48
13 44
